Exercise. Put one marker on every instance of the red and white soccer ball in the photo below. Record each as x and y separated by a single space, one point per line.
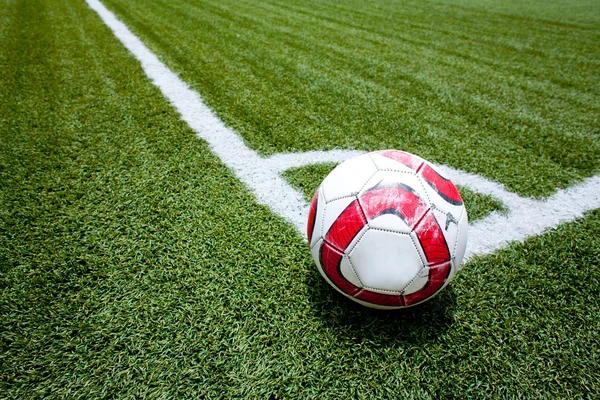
387 230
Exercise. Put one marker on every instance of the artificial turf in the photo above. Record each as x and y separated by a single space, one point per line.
134 264
499 91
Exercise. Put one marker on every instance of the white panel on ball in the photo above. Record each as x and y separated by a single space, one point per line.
390 222
348 177
385 261
315 251
461 245
419 282
437 199
348 272
437 170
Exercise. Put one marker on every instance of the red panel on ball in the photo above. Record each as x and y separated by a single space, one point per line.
346 226
437 276
331 259
400 200
411 161
444 187
432 239
380 299
312 215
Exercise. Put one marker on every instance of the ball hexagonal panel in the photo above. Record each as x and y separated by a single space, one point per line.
348 272
440 189
348 178
315 252
460 246
385 261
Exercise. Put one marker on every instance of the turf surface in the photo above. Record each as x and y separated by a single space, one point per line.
133 264
501 93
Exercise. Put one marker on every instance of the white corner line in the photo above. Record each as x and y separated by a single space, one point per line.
533 217
525 217
283 161
247 164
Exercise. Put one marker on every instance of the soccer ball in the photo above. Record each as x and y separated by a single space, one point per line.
387 230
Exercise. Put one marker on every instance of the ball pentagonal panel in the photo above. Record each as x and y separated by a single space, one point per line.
385 261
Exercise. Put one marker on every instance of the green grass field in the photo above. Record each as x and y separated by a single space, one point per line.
134 264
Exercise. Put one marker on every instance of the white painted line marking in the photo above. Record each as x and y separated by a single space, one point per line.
283 161
267 184
526 217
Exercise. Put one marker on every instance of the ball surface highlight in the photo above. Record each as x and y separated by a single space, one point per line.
387 230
